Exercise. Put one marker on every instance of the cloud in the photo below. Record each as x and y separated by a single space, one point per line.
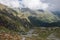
54 5
11 3
31 4
34 4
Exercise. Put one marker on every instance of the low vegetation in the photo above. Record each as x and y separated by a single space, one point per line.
16 26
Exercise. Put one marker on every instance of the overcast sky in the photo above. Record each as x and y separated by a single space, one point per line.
53 5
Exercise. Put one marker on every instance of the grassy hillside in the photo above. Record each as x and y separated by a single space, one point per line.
26 26
46 18
10 19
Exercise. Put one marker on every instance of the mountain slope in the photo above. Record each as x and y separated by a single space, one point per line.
32 25
10 19
45 18
48 16
38 17
42 15
20 21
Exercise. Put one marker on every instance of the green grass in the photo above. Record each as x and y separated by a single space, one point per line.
57 32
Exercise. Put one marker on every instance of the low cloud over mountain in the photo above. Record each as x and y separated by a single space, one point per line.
31 4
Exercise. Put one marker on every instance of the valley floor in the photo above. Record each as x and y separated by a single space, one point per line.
37 33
